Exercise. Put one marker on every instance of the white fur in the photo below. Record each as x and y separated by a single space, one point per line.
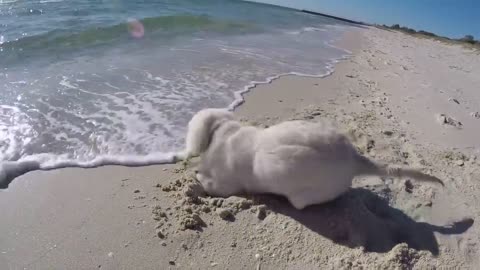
309 163
199 129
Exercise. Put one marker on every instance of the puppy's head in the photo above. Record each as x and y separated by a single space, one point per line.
201 128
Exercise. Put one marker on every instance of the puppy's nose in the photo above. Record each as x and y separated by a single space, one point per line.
196 171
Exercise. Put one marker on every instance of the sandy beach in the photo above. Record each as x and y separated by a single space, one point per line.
403 100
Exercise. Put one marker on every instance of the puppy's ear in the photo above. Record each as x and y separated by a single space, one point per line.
201 129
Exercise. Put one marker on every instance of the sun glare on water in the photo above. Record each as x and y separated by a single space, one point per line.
135 28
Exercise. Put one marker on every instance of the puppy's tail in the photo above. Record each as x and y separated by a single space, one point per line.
368 167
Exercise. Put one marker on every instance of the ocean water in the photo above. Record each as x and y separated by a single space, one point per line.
86 83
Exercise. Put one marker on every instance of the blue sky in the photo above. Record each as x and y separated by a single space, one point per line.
452 18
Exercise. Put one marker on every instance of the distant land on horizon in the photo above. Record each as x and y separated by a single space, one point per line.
332 16
467 39
452 19
310 12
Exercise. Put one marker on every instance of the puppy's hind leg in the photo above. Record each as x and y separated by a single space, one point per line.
300 200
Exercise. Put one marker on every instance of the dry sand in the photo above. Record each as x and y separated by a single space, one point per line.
403 100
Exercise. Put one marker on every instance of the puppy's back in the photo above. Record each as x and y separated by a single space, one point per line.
322 136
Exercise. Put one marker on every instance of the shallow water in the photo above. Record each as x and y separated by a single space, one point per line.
85 81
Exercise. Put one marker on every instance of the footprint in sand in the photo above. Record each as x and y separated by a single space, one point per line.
454 100
447 120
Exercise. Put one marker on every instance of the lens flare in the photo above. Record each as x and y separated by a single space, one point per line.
135 28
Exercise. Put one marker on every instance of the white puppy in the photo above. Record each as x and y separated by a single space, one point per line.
309 163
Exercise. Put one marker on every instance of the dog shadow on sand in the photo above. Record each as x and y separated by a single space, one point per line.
362 218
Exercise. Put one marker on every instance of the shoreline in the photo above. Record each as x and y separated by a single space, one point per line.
117 217
331 64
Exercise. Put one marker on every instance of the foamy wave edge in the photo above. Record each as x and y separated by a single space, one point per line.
9 170
239 99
